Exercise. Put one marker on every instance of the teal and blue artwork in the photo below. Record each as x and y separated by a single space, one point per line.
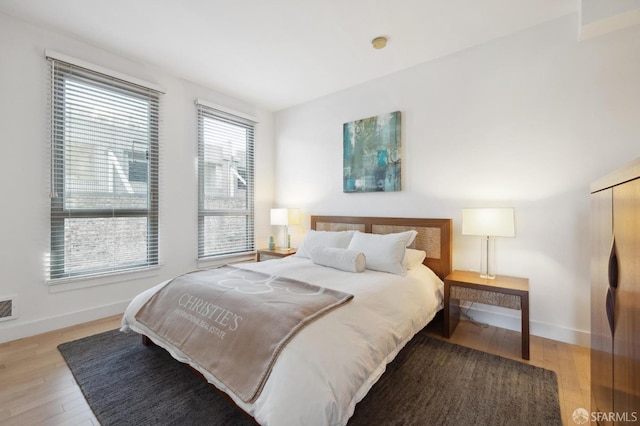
372 154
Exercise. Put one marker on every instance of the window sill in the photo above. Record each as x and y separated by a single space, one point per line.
77 283
212 262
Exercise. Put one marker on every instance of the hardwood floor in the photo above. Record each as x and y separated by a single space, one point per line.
36 387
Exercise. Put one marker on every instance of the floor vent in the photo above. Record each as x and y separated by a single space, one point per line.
7 309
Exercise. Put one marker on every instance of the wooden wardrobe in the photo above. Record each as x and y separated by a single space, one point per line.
615 293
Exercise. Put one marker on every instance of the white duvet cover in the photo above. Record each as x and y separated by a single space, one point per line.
333 362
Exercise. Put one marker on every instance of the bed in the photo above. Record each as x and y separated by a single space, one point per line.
331 363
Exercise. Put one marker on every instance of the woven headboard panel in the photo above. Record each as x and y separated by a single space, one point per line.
434 235
328 226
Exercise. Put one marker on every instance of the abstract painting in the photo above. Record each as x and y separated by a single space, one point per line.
372 154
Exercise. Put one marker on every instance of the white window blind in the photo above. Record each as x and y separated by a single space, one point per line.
104 173
225 183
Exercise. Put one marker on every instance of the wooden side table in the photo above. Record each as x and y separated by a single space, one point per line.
266 254
505 291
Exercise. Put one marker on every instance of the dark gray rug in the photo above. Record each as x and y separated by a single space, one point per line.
431 382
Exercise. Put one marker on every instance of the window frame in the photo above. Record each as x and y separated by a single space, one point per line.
216 112
66 69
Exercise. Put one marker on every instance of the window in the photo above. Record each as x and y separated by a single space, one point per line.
226 184
104 177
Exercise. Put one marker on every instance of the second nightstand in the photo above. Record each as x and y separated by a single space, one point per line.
266 254
508 292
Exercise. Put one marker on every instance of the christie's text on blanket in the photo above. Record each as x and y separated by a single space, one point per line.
219 315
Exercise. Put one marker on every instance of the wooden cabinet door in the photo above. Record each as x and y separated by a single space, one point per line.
626 340
601 338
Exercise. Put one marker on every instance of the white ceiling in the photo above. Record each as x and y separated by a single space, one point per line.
279 53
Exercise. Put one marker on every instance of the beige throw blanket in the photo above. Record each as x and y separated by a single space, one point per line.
234 322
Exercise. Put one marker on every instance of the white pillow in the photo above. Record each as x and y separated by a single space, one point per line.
414 258
338 258
384 252
339 239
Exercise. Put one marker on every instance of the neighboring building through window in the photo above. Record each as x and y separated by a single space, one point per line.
226 183
104 189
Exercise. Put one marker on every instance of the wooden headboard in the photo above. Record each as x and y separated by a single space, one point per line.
434 235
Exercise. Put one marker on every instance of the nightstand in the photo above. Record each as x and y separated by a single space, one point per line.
266 254
504 291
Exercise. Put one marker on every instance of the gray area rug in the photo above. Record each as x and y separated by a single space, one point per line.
431 382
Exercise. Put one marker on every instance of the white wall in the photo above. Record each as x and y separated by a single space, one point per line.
526 121
24 168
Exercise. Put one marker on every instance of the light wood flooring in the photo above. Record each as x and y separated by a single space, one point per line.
36 387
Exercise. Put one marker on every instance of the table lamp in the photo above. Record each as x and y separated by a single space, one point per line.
488 223
285 217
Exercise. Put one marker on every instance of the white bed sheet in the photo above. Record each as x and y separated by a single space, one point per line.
332 363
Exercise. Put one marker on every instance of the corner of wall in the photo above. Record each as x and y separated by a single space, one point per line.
537 328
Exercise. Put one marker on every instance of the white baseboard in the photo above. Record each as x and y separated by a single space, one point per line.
536 328
32 328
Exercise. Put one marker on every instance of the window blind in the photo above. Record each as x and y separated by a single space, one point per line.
225 183
104 173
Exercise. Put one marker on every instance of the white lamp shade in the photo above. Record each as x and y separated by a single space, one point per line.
285 217
279 217
492 222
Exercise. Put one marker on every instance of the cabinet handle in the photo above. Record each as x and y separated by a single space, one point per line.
613 265
610 305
